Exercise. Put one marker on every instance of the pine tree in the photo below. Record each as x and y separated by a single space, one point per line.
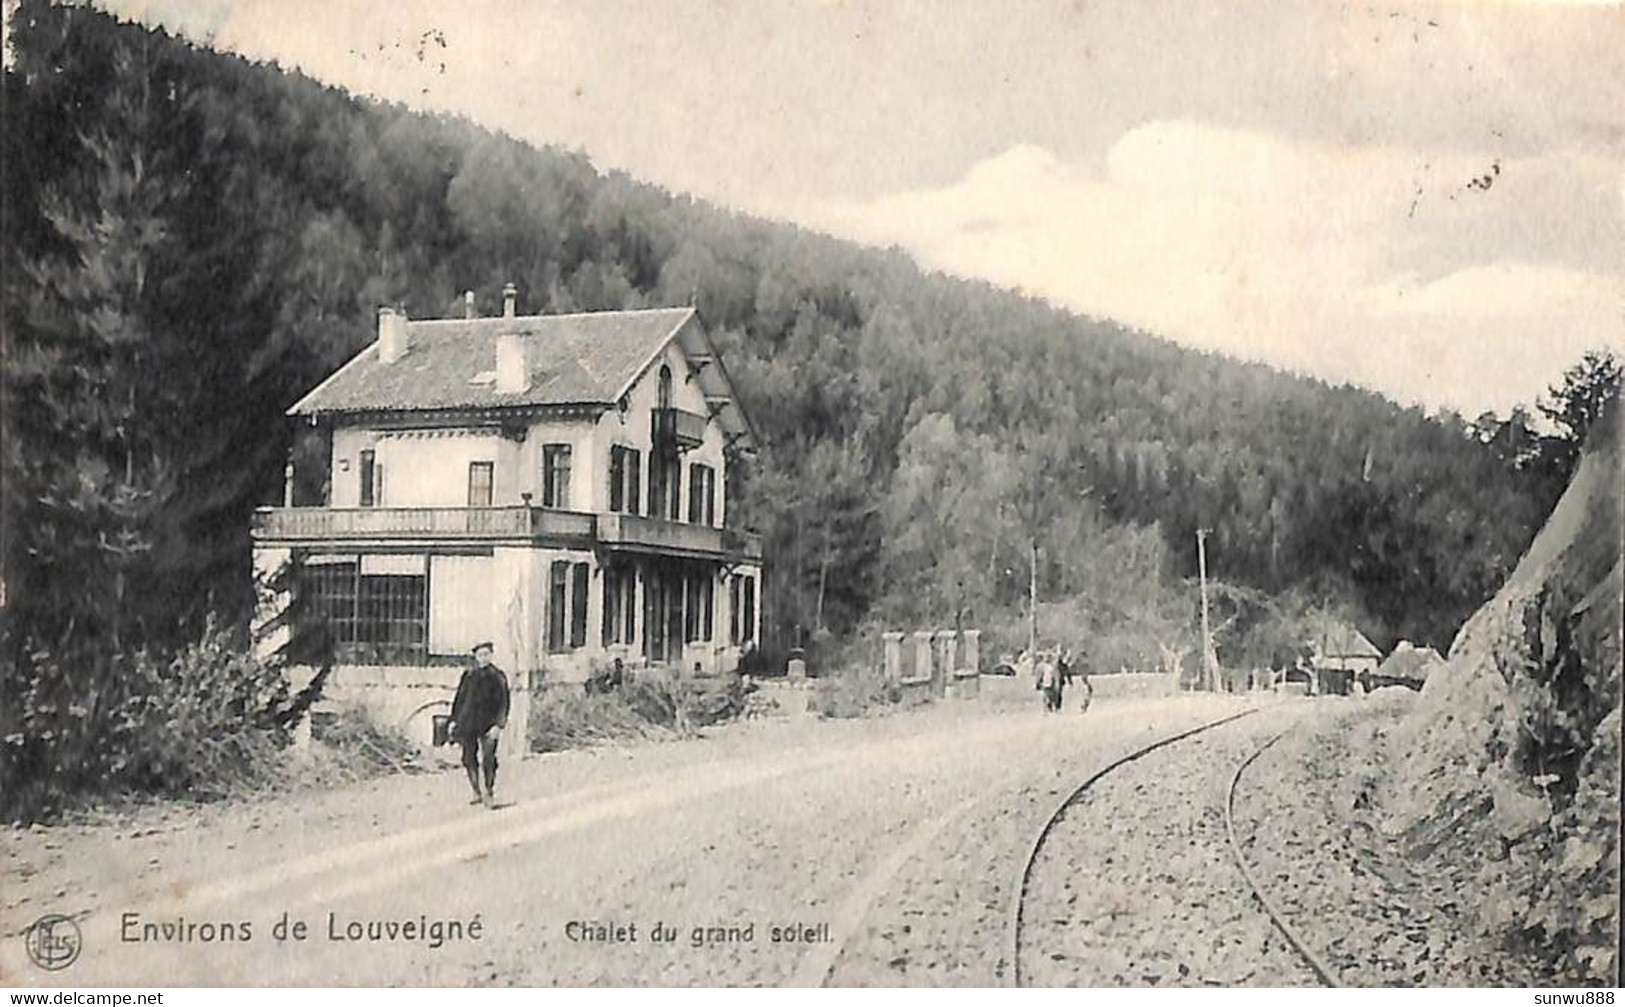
88 475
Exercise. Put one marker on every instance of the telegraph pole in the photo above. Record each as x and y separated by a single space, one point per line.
1032 603
1208 675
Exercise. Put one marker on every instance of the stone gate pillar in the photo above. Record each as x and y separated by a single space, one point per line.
922 654
892 648
971 658
942 673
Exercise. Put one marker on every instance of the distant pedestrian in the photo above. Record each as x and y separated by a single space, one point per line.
607 680
1075 671
1052 682
479 715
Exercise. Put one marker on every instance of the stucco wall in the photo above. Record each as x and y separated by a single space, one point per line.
429 467
631 429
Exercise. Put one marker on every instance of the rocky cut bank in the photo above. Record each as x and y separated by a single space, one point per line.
1509 764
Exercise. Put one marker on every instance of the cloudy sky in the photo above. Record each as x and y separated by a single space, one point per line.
1428 200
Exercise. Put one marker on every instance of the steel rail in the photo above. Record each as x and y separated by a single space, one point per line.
1020 887
1324 971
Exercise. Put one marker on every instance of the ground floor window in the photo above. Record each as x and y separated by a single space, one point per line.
679 607
567 606
578 606
741 608
370 609
557 599
700 608
733 609
620 605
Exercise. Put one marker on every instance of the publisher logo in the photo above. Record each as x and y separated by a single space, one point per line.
53 942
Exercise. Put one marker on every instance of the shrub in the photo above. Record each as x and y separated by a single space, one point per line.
565 717
77 722
361 747
854 691
649 704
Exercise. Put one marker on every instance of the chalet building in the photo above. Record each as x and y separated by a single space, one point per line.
556 484
1342 656
1341 647
1409 665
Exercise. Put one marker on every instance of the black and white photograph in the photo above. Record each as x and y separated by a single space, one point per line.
811 493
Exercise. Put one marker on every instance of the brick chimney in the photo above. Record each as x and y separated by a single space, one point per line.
513 364
510 300
391 334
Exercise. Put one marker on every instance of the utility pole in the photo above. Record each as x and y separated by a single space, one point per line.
1208 675
1032 567
1032 603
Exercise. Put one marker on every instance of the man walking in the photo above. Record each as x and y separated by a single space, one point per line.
479 713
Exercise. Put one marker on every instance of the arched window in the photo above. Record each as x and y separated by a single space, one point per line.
665 386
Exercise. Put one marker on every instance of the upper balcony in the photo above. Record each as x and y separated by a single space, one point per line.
635 533
302 524
305 526
676 428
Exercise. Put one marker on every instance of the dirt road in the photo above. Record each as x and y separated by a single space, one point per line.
756 855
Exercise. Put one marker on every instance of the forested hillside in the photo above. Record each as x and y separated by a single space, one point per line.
192 241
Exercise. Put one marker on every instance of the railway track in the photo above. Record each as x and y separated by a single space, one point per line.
821 967
1278 918
1327 974
1019 901
1168 883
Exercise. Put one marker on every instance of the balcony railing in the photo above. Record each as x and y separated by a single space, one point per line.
742 543
421 522
676 428
615 531
644 534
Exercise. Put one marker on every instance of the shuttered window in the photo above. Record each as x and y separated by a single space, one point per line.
558 593
702 494
578 607
634 479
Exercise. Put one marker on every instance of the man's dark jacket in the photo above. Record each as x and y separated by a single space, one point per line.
482 701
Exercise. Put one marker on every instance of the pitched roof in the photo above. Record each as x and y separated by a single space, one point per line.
1411 662
1343 640
582 359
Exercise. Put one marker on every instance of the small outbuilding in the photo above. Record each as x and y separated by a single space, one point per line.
1342 655
1409 665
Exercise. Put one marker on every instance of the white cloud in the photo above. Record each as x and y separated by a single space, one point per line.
1380 266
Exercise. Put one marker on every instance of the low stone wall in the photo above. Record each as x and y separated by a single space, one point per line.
916 691
789 699
933 664
964 685
1004 690
1134 685
405 699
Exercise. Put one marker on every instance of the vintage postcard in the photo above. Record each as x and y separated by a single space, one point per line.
814 493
